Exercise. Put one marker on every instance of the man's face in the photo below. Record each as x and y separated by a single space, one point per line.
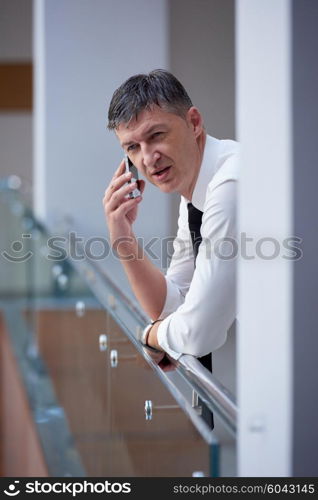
164 148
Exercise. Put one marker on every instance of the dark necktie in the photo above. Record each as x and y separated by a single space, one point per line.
194 221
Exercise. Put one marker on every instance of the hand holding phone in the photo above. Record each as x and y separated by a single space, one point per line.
130 167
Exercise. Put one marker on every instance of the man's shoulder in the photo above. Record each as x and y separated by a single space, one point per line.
229 146
228 150
222 147
227 164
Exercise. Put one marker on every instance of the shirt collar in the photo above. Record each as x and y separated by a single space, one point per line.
207 170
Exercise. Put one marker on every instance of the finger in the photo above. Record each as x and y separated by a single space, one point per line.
166 365
115 184
119 196
127 205
156 357
120 169
167 368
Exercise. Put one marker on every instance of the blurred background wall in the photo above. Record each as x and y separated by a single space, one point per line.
16 88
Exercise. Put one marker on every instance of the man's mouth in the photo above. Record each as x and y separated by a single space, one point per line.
160 174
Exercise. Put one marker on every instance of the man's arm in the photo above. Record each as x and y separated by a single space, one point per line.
200 324
147 281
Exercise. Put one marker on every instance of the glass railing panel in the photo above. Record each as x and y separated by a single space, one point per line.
15 246
187 379
151 435
48 308
69 346
88 376
227 449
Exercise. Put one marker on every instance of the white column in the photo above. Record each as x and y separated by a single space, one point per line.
264 125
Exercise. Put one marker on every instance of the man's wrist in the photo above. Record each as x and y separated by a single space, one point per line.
145 336
145 333
126 247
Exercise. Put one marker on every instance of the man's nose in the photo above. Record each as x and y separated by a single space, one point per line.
150 157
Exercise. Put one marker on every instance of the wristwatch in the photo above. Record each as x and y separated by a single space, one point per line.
144 337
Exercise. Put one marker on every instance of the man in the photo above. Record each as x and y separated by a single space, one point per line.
163 134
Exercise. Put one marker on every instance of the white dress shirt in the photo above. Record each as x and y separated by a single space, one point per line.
200 304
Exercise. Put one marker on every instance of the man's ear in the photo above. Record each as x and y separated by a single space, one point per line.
195 121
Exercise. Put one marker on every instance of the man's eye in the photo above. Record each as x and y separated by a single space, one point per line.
131 147
156 134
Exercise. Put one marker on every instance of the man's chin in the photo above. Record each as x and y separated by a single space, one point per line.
166 188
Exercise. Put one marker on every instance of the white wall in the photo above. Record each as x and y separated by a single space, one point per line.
84 50
264 127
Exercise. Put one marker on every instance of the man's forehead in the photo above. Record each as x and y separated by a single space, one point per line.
146 116
145 121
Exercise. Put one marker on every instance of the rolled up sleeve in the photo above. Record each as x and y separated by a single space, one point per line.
199 311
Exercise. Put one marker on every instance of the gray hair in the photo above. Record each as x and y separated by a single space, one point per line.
140 92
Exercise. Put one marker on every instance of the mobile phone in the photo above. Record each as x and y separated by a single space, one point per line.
130 167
